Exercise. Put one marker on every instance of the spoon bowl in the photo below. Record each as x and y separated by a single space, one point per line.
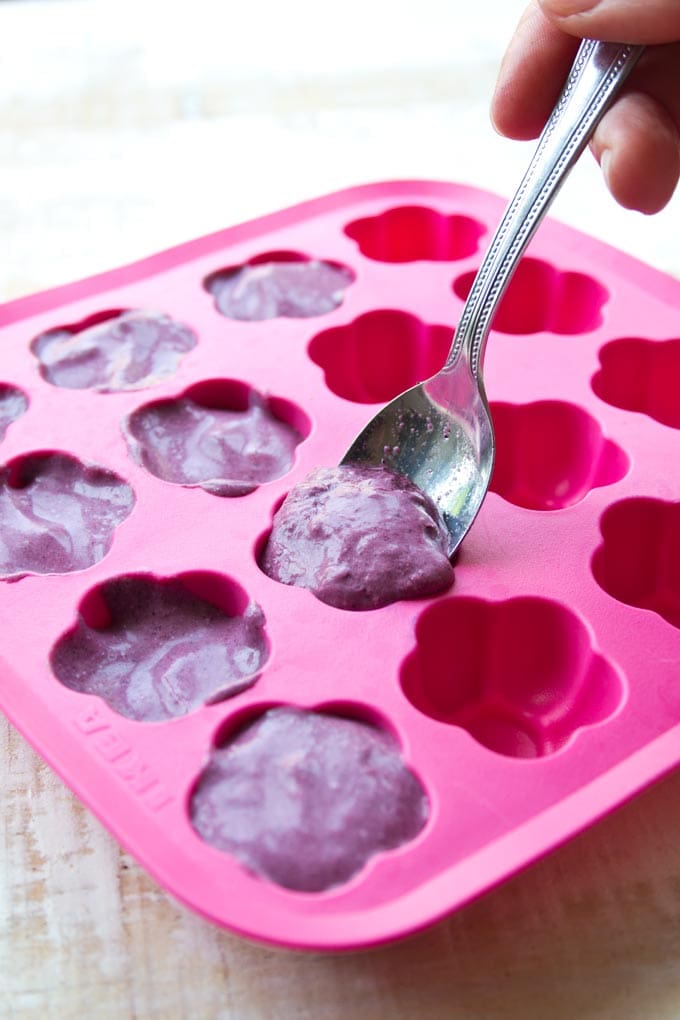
439 434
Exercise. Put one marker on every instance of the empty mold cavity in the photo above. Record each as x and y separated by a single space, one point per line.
281 284
641 375
413 233
359 538
541 298
306 798
379 354
57 514
520 676
550 454
113 351
638 561
13 403
221 435
156 648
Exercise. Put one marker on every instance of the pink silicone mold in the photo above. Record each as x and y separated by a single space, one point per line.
141 639
524 678
542 298
379 354
412 233
551 453
638 560
641 375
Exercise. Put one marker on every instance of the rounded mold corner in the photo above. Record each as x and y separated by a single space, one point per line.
362 712
379 354
525 678
259 545
550 454
84 503
113 351
638 559
239 718
279 284
157 648
541 298
221 435
13 404
641 375
324 792
414 233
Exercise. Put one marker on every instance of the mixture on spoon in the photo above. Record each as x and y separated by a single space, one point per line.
359 537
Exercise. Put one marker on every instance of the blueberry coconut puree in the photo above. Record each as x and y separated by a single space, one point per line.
125 352
57 514
161 651
305 799
359 538
13 404
293 289
227 452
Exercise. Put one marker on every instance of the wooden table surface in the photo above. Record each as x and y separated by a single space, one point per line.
124 128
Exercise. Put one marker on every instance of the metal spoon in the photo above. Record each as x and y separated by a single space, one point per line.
439 433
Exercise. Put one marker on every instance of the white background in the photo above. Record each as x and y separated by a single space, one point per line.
129 126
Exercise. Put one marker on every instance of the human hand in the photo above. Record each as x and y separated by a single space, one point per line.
637 142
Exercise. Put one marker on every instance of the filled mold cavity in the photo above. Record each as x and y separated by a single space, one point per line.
358 537
157 648
521 676
13 403
221 435
541 298
641 375
550 454
305 798
57 514
113 351
638 560
416 233
379 354
279 284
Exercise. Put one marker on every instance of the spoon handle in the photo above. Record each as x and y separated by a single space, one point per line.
598 71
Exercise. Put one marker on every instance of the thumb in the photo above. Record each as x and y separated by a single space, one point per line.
631 21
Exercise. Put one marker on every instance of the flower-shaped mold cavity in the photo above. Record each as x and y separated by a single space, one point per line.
638 561
156 648
306 798
541 298
57 514
413 233
359 538
521 676
550 454
113 351
379 354
641 375
13 403
220 434
279 284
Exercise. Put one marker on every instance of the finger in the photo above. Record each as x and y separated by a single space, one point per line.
638 148
531 76
633 21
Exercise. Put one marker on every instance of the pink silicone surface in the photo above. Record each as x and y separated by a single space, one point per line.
538 693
